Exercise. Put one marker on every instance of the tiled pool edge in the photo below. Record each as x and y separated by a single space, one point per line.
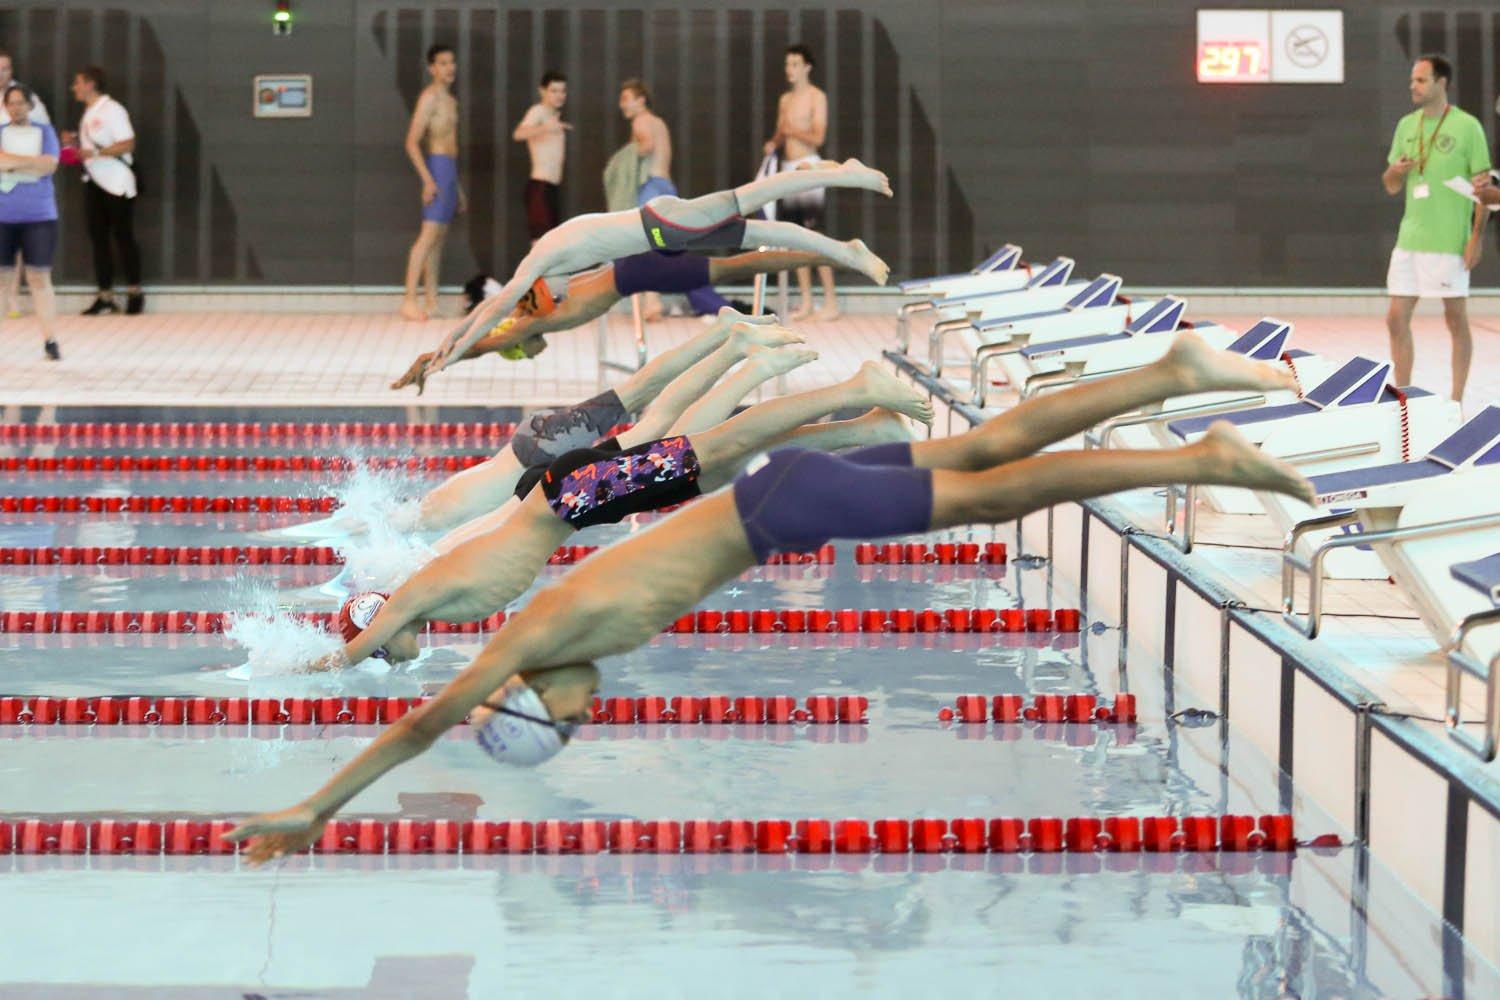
1393 765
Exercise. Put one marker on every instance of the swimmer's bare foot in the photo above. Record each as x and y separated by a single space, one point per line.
747 335
729 316
779 361
882 426
1202 368
881 388
828 313
1237 462
863 259
412 312
804 311
868 178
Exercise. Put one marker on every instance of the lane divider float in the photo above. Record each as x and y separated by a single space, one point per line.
763 620
238 463
1046 708
269 555
966 835
207 710
224 432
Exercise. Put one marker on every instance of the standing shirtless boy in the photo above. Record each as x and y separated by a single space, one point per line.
435 119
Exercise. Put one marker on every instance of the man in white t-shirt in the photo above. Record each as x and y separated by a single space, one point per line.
106 144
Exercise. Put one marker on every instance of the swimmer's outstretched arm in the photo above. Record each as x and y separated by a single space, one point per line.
537 637
597 610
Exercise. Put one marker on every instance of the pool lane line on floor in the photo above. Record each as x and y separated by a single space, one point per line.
1085 835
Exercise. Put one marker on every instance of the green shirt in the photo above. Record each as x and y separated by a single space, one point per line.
1441 222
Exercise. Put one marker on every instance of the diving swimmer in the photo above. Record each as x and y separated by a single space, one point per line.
532 684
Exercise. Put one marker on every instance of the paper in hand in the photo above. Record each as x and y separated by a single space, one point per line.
1462 185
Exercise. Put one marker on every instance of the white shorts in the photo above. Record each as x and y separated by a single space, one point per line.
1427 275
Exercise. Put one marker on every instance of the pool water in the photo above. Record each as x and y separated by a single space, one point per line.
899 925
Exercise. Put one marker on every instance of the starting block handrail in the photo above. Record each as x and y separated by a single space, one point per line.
937 340
1459 663
1313 565
1100 435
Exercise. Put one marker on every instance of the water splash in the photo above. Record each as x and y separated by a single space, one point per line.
276 641
369 500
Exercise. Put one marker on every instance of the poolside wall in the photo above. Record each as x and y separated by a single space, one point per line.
1071 126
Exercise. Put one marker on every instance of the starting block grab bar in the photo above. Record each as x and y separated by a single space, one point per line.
1458 661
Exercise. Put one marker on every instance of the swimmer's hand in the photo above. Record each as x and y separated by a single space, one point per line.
275 835
336 660
415 375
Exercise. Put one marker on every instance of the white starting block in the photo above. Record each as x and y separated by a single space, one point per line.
1431 554
1001 271
1147 428
1349 420
1046 362
1044 288
1096 306
1371 501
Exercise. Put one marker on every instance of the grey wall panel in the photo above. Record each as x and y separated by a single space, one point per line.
1072 127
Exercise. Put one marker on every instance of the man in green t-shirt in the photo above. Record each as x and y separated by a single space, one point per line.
1438 244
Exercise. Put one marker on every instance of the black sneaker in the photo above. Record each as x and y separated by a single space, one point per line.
135 304
53 352
101 306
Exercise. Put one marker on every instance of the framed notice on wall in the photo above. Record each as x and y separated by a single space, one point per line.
282 95
1270 46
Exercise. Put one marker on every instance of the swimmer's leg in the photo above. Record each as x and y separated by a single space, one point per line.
1190 365
718 404
849 174
879 426
682 392
645 385
722 449
853 255
748 265
1222 457
710 210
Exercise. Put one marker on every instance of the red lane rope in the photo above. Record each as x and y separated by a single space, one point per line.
947 553
1082 708
966 835
269 555
239 432
762 620
1286 357
167 505
194 710
238 463
1405 424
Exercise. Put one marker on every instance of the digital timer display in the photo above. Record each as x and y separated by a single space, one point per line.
1232 62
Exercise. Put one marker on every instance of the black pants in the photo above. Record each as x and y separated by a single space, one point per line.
112 217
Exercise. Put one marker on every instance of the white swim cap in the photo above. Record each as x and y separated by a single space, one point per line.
521 731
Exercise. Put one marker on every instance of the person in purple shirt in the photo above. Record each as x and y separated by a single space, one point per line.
28 207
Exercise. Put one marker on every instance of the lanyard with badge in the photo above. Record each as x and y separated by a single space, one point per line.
1421 189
